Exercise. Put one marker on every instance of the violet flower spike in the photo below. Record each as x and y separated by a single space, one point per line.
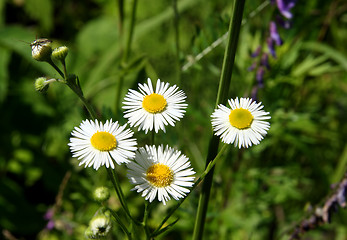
284 7
264 61
256 52
254 93
274 34
271 46
252 67
260 76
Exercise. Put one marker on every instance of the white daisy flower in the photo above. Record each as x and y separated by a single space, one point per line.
148 109
99 144
243 124
161 172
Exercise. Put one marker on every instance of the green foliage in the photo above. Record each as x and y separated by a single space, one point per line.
258 193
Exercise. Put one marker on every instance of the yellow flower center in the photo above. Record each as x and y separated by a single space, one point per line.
160 175
103 141
240 118
154 103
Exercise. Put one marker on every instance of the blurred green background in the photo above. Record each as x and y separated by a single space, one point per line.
258 193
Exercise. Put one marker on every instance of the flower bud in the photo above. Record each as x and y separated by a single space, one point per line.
89 234
99 226
60 53
101 194
41 85
41 49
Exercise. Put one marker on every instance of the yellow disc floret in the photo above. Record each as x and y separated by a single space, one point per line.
154 103
103 141
160 175
240 118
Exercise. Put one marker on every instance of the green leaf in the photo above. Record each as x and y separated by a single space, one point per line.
308 64
332 53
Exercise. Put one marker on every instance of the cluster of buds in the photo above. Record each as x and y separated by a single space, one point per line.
41 50
261 63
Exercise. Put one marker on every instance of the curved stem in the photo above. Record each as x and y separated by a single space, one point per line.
50 62
121 224
76 89
224 83
120 194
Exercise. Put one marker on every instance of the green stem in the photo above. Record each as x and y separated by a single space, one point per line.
121 16
126 53
130 32
64 67
77 89
145 219
202 176
224 83
121 224
120 194
50 62
177 43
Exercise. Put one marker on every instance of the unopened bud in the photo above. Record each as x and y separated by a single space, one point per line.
41 84
101 194
60 53
89 234
99 226
41 49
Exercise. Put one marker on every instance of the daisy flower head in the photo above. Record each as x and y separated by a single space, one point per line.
97 144
160 172
148 109
243 124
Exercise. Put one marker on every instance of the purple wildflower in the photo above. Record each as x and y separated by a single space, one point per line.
49 214
274 34
256 52
49 217
271 46
50 225
260 76
254 93
264 61
252 67
284 7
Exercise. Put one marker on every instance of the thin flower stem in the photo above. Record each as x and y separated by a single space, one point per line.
76 89
121 224
121 16
126 53
120 194
224 83
50 62
145 219
202 176
177 38
130 32
64 67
